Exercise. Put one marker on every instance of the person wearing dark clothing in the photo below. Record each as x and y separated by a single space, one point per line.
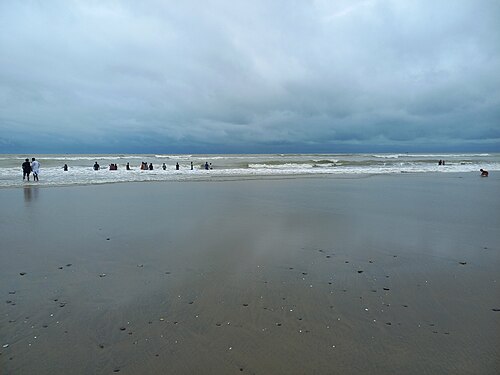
26 169
177 166
96 166
191 165
127 167
65 168
150 166
206 166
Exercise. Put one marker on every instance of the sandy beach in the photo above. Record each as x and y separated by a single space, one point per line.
387 274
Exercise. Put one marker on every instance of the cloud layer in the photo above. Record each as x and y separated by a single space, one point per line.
258 76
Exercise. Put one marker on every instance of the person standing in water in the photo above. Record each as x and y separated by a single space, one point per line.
26 169
191 165
65 168
35 168
96 166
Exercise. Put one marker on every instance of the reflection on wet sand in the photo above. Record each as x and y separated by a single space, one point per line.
30 193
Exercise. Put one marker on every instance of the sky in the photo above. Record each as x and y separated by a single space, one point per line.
255 76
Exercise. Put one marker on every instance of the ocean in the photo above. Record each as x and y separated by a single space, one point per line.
80 171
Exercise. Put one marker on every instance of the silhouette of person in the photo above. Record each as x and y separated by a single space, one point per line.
177 166
191 165
96 166
164 166
127 167
65 168
150 166
484 172
26 169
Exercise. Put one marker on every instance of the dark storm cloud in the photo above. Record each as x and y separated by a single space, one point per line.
249 75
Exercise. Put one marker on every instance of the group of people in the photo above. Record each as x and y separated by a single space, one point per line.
144 166
441 162
28 168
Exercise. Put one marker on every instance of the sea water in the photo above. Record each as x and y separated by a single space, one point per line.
80 167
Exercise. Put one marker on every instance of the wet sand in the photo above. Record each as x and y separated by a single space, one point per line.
377 275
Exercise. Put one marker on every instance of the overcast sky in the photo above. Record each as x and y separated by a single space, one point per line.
249 76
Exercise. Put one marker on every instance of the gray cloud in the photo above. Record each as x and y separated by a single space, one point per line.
249 76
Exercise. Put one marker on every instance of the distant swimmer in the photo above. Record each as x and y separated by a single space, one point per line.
96 166
484 173
65 168
26 169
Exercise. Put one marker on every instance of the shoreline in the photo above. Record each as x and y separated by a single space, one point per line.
224 178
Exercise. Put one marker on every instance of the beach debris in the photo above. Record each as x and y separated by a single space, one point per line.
22 273
386 288
496 310
69 265
101 346
107 239
8 301
245 304
5 346
60 268
123 328
12 292
102 275
140 265
360 271
168 273
463 263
